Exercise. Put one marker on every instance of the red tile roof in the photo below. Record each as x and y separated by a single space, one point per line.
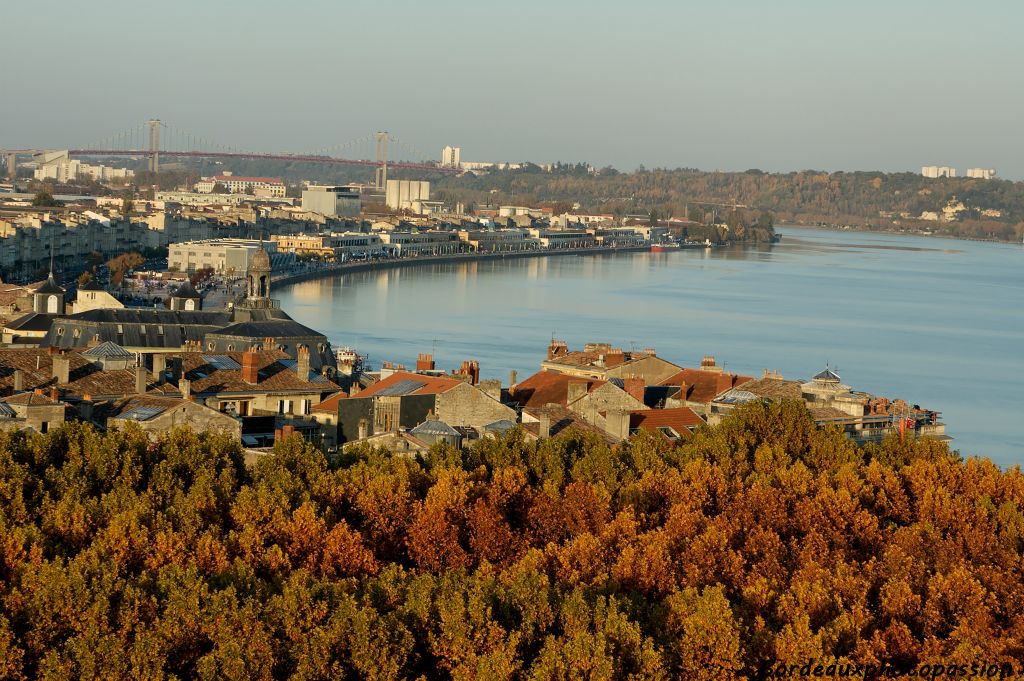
680 419
547 387
702 386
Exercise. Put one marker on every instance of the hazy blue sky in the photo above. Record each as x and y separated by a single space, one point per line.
777 85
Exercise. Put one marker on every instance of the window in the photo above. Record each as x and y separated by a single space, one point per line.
77 333
60 330
304 409
210 346
44 426
286 407
51 305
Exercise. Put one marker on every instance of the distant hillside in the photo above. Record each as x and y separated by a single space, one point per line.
990 208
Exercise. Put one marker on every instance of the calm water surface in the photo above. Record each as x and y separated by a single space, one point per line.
935 321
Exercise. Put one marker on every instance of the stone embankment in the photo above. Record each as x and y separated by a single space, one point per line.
286 278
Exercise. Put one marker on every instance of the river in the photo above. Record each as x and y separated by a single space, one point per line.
937 322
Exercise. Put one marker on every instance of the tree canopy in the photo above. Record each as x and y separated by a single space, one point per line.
761 540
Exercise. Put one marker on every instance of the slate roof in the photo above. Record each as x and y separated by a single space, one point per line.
268 328
107 349
434 427
50 286
32 321
547 387
91 285
150 328
186 290
827 375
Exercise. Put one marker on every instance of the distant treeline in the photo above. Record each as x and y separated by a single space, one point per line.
872 199
763 540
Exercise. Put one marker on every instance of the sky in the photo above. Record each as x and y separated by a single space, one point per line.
730 85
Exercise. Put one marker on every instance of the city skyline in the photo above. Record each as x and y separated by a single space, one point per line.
789 87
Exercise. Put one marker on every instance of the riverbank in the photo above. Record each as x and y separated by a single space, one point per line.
898 232
288 278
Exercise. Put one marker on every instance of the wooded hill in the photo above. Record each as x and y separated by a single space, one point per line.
870 199
762 540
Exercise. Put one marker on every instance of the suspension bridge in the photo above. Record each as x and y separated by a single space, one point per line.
156 140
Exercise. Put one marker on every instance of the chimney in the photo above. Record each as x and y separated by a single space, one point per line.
277 435
708 364
557 349
364 429
159 366
302 365
635 386
617 424
85 407
576 390
140 380
614 357
185 386
491 388
544 425
250 367
19 381
425 362
54 395
176 369
269 345
287 431
62 368
512 376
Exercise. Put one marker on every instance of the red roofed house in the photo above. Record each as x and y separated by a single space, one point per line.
404 400
675 424
699 387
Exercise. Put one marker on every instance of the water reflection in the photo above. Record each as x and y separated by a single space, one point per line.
934 321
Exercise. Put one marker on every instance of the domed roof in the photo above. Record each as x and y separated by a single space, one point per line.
50 286
260 261
827 376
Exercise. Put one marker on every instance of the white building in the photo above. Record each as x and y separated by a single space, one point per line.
451 157
403 194
331 201
938 171
981 173
67 170
258 186
224 256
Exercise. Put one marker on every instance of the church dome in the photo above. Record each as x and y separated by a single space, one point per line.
260 261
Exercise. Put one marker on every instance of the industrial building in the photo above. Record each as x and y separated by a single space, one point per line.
224 256
331 201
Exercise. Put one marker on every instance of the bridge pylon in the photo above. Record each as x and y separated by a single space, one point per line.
154 145
381 176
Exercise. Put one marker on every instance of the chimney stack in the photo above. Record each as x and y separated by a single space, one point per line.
617 424
54 395
61 368
19 381
302 366
159 366
557 349
576 389
250 367
185 387
544 426
140 380
425 362
512 378
635 386
85 407
364 429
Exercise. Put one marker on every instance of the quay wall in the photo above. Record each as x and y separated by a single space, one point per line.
370 265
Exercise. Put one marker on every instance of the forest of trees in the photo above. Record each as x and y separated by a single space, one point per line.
761 540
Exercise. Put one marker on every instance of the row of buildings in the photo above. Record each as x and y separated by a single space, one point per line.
947 171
